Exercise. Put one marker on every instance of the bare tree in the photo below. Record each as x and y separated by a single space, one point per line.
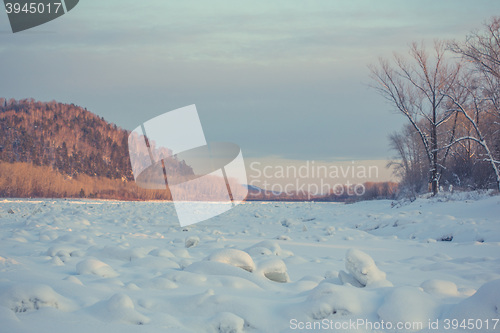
481 50
416 87
473 114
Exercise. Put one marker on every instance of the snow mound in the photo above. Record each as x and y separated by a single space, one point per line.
64 253
120 308
266 248
289 222
348 279
236 278
9 320
160 283
153 263
440 287
408 305
122 253
191 241
6 262
363 269
233 257
274 269
74 279
227 322
187 278
95 267
181 253
484 304
260 251
56 261
283 237
161 253
24 298
331 299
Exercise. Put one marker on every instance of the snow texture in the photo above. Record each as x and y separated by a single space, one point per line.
108 266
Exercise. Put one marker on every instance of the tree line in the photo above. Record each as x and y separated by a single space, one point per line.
450 96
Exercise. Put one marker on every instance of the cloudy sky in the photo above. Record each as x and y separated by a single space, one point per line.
283 79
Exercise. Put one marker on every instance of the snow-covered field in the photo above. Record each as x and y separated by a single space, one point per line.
108 266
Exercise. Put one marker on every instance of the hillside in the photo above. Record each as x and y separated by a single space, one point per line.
66 137
51 149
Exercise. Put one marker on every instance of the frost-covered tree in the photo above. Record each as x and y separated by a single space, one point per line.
416 86
481 84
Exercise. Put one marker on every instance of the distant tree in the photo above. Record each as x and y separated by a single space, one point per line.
410 163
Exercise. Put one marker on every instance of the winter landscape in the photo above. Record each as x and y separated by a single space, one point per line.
432 265
249 167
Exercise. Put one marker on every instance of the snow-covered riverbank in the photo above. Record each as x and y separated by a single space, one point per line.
106 266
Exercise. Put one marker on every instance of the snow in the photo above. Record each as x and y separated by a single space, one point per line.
274 269
227 322
119 308
233 257
192 241
440 287
363 269
408 305
105 266
94 266
484 304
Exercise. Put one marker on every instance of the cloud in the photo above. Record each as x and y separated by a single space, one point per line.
293 72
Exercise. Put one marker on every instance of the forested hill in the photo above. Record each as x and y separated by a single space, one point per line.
66 137
64 144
